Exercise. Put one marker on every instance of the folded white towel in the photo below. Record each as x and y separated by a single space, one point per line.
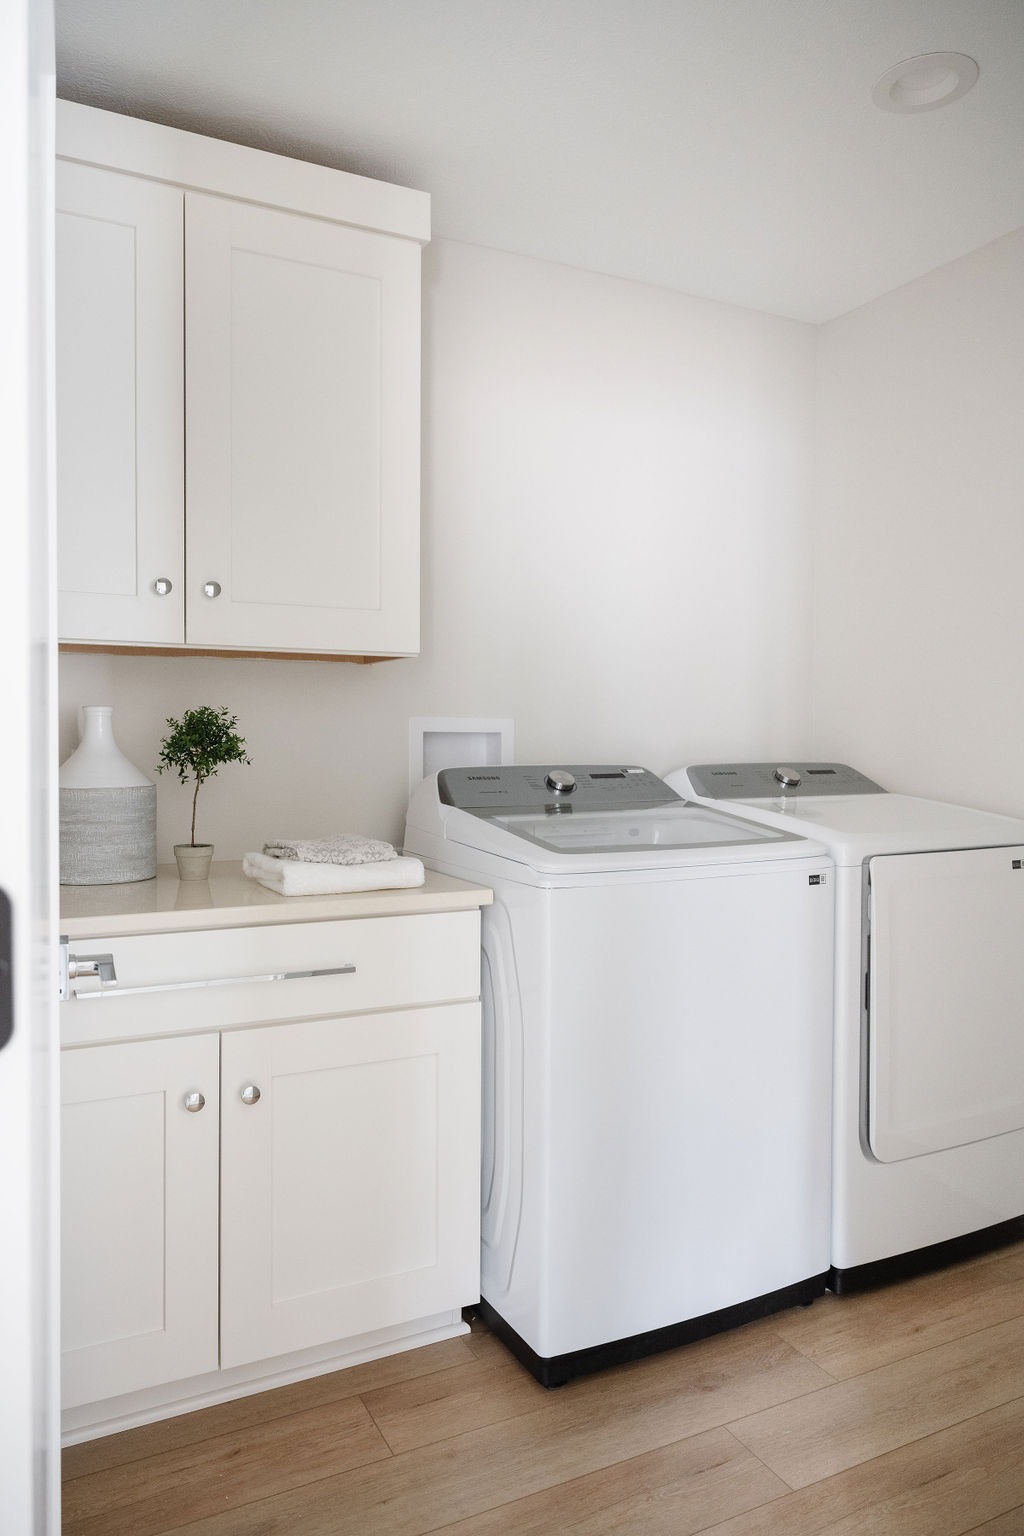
345 848
294 877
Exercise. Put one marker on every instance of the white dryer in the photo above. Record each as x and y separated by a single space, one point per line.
928 1147
657 1058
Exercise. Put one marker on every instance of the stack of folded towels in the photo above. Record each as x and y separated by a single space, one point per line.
329 865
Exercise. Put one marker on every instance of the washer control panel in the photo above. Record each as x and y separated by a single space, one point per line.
601 787
767 781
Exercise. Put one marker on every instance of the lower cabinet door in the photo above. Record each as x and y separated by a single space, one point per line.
138 1215
349 1176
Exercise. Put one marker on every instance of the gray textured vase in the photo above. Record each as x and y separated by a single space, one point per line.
107 810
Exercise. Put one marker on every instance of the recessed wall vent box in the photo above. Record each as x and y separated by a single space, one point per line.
456 742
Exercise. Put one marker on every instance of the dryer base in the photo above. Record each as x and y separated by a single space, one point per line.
903 1266
556 1370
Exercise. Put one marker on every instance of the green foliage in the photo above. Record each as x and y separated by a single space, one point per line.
202 741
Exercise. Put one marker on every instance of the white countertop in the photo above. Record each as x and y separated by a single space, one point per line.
230 899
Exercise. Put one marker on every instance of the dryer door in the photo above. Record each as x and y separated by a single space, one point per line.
945 1028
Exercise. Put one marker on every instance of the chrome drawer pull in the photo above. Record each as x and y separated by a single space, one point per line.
101 966
216 981
332 970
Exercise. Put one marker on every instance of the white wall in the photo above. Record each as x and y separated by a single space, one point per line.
919 605
616 529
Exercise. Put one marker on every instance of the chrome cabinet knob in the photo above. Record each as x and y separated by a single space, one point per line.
211 589
250 1094
195 1101
162 586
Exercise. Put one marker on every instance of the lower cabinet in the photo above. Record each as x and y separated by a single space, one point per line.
349 1187
138 1215
346 1151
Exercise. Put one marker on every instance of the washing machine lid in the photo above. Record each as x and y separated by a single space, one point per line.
666 829
591 818
862 820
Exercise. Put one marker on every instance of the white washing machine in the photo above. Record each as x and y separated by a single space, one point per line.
657 1058
928 1144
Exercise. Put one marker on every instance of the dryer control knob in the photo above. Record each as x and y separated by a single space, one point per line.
789 778
561 781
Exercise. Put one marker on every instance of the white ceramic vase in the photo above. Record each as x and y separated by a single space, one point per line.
107 809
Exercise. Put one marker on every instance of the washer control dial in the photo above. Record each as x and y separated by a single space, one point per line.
560 780
789 778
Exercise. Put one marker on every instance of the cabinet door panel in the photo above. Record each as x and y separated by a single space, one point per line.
303 419
138 1215
350 1191
120 406
330 1234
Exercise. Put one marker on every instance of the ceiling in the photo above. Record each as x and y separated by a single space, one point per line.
726 148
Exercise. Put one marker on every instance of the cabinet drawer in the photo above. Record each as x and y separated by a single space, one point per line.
169 983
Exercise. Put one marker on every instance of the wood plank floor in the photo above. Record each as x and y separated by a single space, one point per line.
899 1412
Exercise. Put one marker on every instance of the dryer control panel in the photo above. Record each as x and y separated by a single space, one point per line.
590 787
766 781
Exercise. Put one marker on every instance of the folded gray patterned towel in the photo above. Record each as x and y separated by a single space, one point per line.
291 877
345 848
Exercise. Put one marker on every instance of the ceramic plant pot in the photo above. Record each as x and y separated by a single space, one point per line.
107 810
193 860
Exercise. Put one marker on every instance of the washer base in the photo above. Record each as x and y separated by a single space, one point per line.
556 1370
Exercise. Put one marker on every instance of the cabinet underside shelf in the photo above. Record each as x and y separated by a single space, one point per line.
92 648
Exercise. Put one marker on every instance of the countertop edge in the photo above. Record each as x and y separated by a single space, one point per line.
230 899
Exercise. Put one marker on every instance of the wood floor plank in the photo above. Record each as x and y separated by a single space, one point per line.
448 1403
481 1342
587 1425
261 1407
142 1499
1010 1524
677 1490
943 1485
848 1335
815 1436
498 1387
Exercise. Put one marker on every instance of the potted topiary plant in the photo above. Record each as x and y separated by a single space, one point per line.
195 747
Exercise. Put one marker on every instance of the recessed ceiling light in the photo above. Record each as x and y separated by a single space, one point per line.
927 81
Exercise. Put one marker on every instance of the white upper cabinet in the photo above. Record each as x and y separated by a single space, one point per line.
120 407
238 364
302 425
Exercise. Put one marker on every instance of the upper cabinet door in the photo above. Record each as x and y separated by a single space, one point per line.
120 394
302 430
